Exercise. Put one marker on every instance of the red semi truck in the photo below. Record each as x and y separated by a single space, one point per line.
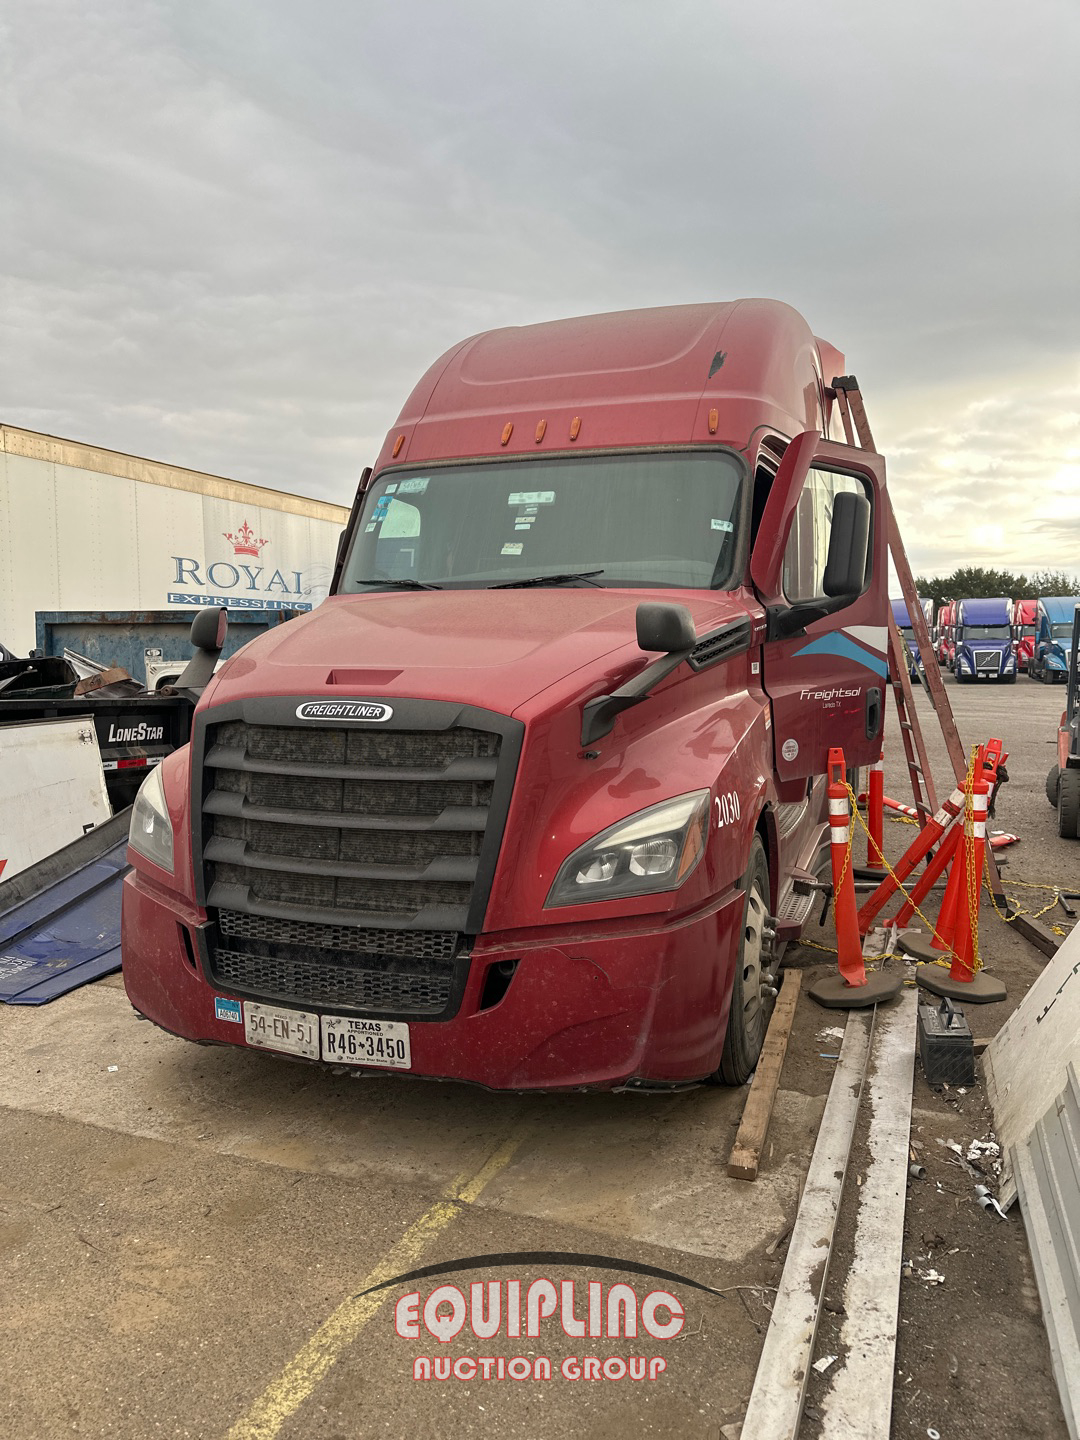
536 797
1023 631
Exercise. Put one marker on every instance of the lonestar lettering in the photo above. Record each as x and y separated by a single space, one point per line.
141 734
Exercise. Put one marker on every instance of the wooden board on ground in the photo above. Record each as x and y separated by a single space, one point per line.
754 1126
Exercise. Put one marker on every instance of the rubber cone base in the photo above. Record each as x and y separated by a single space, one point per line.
984 989
918 946
836 994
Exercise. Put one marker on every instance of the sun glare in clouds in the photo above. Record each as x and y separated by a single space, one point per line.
991 480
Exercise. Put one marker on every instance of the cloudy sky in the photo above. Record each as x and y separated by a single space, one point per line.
234 234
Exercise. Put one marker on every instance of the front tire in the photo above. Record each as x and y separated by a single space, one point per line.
1052 784
1069 804
750 1005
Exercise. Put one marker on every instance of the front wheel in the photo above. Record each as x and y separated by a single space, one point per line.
1052 785
1069 804
750 1000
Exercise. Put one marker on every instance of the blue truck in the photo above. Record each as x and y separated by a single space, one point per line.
1053 631
984 641
907 630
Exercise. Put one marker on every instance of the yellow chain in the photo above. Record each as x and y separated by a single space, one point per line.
899 883
854 814
1031 914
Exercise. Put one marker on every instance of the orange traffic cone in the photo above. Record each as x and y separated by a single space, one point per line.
851 987
963 982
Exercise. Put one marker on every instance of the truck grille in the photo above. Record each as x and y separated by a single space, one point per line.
348 987
987 660
347 824
344 866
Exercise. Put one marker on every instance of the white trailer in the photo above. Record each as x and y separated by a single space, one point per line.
85 529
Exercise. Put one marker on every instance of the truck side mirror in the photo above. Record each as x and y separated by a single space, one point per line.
664 627
669 628
208 628
849 541
208 637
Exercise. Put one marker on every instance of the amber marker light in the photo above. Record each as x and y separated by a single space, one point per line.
398 443
694 843
575 427
541 427
508 430
714 421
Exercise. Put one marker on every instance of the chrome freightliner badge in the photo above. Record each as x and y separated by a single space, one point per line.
369 710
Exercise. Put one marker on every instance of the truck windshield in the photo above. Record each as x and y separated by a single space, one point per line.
669 520
986 632
1061 632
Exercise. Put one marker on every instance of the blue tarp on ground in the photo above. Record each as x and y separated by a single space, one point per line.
65 936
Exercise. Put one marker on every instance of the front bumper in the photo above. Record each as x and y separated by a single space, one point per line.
599 1010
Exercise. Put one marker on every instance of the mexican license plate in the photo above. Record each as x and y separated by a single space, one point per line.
293 1031
348 1041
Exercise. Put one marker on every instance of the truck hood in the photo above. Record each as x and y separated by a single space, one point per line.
492 648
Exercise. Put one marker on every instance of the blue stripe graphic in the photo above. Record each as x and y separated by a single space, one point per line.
837 643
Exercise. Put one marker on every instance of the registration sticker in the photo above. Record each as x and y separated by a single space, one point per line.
347 1040
228 1010
531 497
511 548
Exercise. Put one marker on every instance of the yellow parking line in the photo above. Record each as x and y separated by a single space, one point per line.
284 1396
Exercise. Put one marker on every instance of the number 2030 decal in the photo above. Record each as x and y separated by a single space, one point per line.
728 809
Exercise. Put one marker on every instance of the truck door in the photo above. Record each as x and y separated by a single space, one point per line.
825 676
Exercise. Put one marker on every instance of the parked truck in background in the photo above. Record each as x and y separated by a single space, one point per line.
1023 632
983 649
1050 651
85 530
907 630
945 639
1063 781
535 796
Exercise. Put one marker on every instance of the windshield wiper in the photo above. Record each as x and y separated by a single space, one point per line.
400 584
545 580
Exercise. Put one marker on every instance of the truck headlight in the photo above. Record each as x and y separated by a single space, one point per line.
656 849
151 829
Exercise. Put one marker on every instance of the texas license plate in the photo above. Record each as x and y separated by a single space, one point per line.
348 1041
294 1032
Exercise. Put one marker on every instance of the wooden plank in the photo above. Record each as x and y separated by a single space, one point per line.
858 1400
757 1112
776 1400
